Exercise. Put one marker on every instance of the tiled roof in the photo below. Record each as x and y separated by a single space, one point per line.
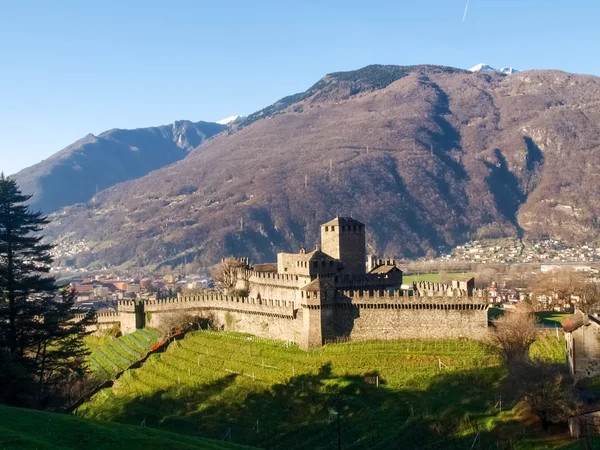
316 285
572 322
384 269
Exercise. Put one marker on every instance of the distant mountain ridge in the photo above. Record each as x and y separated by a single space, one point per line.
94 163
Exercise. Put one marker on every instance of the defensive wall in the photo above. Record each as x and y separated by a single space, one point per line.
313 317
271 318
104 321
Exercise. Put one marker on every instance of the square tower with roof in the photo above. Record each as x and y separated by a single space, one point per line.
343 238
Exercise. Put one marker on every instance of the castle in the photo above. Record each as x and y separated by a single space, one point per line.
332 293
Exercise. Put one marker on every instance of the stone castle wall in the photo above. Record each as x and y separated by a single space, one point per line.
353 314
584 346
401 314
271 285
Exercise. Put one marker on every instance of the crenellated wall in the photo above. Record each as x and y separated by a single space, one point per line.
310 318
406 314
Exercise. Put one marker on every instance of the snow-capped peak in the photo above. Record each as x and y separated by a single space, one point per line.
482 68
227 120
487 68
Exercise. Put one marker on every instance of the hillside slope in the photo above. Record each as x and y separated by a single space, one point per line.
94 163
29 429
391 394
426 156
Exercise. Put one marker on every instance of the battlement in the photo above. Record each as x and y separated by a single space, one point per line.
409 298
280 279
243 260
100 316
107 314
126 305
376 262
217 301
456 289
378 293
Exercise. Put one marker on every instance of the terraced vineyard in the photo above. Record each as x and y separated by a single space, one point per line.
110 355
390 394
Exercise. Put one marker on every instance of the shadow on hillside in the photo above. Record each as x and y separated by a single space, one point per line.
506 189
301 414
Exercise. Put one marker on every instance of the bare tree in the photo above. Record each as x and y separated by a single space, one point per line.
177 321
545 390
566 285
485 276
560 283
227 272
513 334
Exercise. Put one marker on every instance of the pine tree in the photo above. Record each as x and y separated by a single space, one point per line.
37 332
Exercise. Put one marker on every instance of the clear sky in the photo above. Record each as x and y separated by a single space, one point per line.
68 68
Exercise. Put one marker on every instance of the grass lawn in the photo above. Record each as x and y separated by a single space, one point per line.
551 317
547 318
30 429
435 277
390 394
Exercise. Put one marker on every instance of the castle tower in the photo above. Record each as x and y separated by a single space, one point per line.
312 299
343 238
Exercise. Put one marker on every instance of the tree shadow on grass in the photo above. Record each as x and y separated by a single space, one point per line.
455 411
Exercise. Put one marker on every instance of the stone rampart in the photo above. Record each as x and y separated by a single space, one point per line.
104 320
224 302
431 311
404 314
263 317
430 289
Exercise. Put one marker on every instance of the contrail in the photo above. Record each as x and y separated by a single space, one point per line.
465 14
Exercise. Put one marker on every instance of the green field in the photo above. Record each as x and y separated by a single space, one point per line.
551 317
29 429
391 394
547 318
110 355
435 277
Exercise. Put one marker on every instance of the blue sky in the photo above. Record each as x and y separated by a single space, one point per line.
68 68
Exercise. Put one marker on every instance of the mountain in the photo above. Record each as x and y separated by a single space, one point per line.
94 163
486 68
228 120
426 156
